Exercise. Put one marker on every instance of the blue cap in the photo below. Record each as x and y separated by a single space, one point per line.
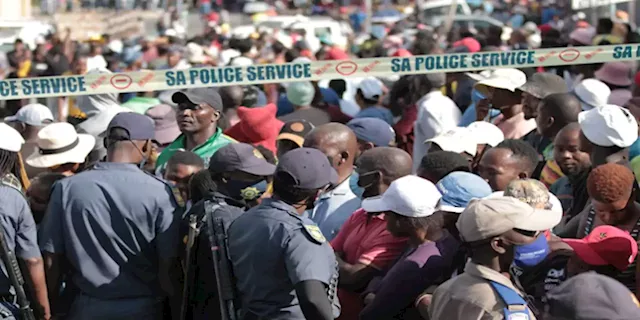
306 168
458 188
240 157
592 296
139 126
374 130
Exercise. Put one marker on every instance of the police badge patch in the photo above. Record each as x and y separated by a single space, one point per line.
315 233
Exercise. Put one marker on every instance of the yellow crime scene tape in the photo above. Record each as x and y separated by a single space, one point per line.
145 81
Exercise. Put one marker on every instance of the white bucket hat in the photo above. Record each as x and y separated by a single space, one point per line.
592 93
59 143
508 79
609 126
11 139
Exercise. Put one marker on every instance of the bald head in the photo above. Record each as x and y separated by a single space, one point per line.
231 96
394 163
338 143
556 111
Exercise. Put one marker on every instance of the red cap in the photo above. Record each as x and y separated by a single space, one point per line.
472 44
402 53
605 245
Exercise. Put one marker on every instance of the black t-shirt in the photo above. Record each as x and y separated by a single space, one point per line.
540 279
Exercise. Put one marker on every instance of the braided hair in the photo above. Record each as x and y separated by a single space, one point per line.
11 162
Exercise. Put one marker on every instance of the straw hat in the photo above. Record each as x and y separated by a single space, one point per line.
59 143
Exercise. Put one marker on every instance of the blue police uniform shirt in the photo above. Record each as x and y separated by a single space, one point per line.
272 248
113 224
19 229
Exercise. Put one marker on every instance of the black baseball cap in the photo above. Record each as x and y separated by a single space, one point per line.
139 126
295 130
307 168
240 157
592 296
209 96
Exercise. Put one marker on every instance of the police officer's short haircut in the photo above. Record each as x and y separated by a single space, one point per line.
438 164
186 158
118 134
283 187
201 185
523 151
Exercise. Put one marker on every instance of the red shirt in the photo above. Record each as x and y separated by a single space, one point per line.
364 239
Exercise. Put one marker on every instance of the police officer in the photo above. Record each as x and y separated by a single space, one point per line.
283 265
234 168
18 227
115 226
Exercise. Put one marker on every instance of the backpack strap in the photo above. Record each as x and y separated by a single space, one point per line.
516 306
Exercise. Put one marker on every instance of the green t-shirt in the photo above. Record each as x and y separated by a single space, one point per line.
141 104
205 150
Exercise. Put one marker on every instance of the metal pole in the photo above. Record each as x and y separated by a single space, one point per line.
449 22
369 12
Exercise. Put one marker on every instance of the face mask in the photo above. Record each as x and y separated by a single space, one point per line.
531 254
353 184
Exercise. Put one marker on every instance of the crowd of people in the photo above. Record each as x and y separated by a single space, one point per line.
501 194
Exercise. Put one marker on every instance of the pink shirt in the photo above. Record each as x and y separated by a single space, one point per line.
515 127
364 239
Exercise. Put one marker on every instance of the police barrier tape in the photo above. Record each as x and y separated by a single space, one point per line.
145 81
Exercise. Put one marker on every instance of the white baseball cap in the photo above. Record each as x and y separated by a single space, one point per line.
34 114
11 139
371 88
456 140
609 126
592 93
485 133
508 79
410 196
487 218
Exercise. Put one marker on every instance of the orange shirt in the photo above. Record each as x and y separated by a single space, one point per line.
364 239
